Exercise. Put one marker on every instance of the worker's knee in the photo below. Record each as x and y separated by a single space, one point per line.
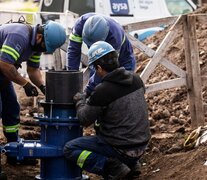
67 150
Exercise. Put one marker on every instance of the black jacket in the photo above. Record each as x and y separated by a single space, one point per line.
119 104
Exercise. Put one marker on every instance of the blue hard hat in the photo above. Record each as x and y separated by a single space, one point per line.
54 35
95 29
98 50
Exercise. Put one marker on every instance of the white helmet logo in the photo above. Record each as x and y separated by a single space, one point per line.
98 52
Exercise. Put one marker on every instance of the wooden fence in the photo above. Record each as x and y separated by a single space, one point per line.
191 77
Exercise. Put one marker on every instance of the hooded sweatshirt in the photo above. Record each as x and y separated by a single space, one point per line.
118 103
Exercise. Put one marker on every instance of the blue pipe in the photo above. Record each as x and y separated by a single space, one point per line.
54 135
58 125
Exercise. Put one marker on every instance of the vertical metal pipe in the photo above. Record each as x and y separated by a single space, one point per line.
61 86
60 123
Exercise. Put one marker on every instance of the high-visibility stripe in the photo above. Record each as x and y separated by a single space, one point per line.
11 129
82 157
123 40
35 59
75 38
11 51
97 124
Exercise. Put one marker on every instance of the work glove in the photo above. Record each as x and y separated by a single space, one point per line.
42 88
87 92
30 90
79 96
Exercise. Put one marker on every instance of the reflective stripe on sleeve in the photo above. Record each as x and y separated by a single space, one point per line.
75 38
11 51
123 40
11 129
82 157
35 59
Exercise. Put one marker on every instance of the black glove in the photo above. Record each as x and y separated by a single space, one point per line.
42 89
79 96
30 90
87 92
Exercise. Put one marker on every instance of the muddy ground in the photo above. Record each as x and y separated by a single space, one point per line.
169 115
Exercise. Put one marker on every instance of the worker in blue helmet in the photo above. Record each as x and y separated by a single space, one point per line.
119 104
92 27
21 42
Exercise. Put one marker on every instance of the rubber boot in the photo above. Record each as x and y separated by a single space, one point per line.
11 137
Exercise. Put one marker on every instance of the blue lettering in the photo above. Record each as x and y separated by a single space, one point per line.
119 6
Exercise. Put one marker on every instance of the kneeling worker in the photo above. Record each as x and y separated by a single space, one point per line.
118 103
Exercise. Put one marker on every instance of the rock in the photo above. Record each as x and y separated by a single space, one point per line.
161 114
163 127
152 121
163 101
182 121
180 130
154 128
155 150
175 148
173 120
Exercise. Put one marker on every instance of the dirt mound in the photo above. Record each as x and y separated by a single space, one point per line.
170 117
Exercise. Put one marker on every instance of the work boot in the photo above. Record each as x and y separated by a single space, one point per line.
134 173
114 169
3 176
13 161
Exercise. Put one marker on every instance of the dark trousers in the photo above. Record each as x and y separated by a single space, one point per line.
9 110
96 153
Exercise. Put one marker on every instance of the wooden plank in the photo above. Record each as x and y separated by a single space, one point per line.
64 47
150 23
173 68
172 83
86 75
150 52
205 108
84 58
200 3
196 75
189 78
58 62
139 45
159 54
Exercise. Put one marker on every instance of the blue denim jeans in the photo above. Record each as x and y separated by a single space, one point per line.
100 152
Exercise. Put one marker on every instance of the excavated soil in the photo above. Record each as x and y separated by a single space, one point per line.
170 121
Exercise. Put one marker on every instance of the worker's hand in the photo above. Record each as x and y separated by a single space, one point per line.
42 89
87 92
30 90
79 96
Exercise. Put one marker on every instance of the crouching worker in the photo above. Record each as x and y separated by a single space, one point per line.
119 104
